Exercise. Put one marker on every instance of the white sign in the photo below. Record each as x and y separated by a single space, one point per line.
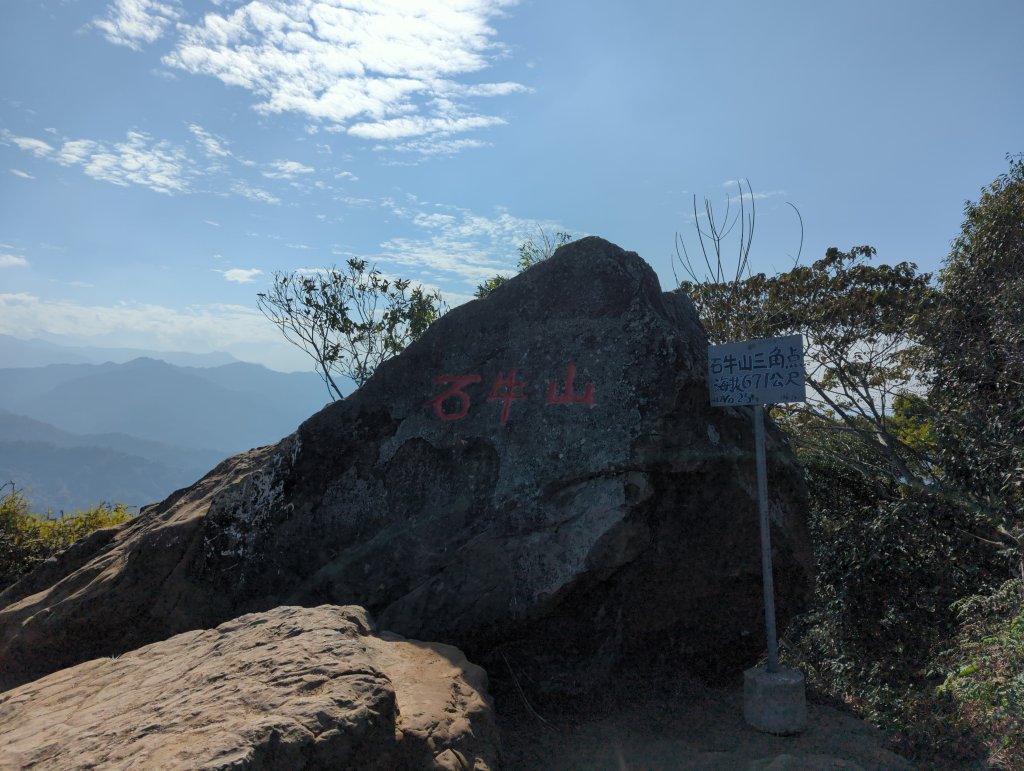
757 372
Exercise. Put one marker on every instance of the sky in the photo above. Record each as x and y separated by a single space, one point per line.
160 160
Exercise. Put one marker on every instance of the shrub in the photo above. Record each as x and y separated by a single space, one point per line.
27 538
986 680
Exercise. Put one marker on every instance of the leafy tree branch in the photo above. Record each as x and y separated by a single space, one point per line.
349 319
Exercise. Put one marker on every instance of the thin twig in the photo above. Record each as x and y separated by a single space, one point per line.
519 689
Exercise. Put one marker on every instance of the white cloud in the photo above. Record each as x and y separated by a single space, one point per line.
386 69
211 223
241 275
37 147
254 193
140 160
458 243
134 22
346 175
157 164
22 174
287 170
436 146
12 261
213 146
746 192
401 128
757 196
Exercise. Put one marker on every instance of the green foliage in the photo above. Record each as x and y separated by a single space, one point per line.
530 253
27 538
349 320
986 680
484 289
977 359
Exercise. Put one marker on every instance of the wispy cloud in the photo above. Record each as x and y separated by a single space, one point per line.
22 174
254 193
457 244
403 128
140 160
287 170
12 261
757 196
212 146
241 275
745 192
163 166
135 22
388 70
37 147
435 146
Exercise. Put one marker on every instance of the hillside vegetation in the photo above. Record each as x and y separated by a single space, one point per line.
27 537
912 442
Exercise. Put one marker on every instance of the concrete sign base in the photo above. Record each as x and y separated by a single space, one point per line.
775 702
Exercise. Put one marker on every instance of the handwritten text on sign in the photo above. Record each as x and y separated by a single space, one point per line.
757 371
453 402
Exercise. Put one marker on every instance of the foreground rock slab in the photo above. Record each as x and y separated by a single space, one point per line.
539 478
293 688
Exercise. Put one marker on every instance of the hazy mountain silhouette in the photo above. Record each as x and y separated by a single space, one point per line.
133 432
15 352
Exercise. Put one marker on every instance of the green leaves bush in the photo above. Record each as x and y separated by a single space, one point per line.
986 680
27 538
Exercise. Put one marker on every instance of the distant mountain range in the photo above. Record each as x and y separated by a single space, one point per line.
15 352
76 434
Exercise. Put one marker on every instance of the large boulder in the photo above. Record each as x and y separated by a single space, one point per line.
540 475
291 688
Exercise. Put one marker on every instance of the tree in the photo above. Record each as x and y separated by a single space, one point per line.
530 253
977 359
349 320
862 329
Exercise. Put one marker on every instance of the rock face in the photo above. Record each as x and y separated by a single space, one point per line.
289 689
540 474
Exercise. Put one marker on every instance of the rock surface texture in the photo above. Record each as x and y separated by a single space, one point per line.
293 688
539 477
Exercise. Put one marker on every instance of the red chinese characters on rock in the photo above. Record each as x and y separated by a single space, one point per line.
569 397
504 390
454 391
507 388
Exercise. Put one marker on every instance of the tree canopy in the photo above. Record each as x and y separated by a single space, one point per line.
349 319
976 361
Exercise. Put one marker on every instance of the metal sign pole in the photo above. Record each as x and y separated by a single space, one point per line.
766 540
756 373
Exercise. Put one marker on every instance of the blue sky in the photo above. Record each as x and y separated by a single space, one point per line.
160 159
